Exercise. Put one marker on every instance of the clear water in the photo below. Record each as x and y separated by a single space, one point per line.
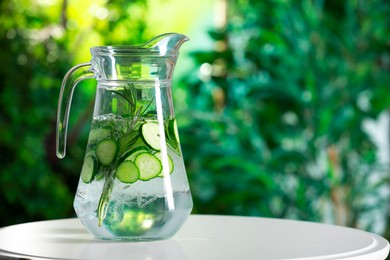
138 211
136 218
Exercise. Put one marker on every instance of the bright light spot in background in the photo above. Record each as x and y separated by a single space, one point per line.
11 33
47 2
290 118
98 11
307 96
57 32
206 69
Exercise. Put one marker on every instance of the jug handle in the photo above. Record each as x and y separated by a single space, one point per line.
71 79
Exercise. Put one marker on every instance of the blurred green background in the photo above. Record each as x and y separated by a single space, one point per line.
282 106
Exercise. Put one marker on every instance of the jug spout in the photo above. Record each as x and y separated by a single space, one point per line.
166 44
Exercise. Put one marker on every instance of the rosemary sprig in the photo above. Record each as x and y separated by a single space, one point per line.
129 93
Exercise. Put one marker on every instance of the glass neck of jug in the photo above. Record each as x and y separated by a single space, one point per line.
154 60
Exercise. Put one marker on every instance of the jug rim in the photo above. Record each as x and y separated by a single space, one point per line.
164 45
124 50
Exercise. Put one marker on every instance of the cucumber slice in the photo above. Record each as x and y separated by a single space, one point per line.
170 164
149 166
136 151
106 151
127 172
174 131
98 134
89 169
150 133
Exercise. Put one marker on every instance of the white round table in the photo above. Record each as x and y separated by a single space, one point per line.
202 237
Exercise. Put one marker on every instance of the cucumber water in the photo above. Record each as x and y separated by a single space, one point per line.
122 193
133 185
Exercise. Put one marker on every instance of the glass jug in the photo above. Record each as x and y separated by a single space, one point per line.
133 185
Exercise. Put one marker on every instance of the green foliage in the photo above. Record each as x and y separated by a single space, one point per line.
279 109
36 46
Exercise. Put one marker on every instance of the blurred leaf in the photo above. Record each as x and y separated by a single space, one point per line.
299 81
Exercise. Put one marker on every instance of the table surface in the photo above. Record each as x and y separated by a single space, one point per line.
202 237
